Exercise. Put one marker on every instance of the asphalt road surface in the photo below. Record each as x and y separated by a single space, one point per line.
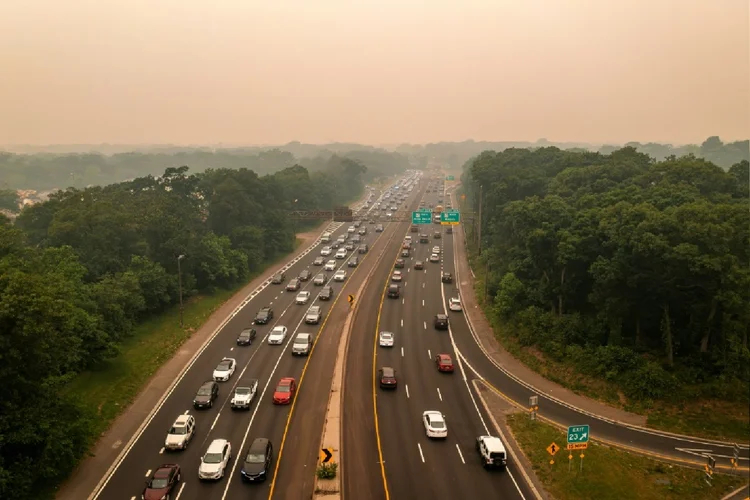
413 465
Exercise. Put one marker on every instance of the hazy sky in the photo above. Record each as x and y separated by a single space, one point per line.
253 72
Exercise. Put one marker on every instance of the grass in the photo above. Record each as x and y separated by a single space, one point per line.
610 473
716 419
110 389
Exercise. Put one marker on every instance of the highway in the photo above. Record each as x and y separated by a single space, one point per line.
266 363
414 466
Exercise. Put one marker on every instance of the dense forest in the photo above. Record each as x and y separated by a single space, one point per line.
45 171
79 271
632 270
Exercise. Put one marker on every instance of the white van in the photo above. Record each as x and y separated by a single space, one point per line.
326 237
302 344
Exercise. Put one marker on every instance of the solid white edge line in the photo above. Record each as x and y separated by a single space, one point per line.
406 386
420 451
460 454
182 487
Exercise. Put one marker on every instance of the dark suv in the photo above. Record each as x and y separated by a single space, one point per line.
305 275
258 461
447 278
394 291
206 395
326 293
441 322
387 376
264 316
278 278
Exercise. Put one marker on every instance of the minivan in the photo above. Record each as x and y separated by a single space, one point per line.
302 344
258 460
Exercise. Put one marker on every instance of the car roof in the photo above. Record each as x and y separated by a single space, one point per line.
259 446
182 420
433 414
164 470
442 316
279 327
493 443
216 446
208 383
388 371
286 381
445 357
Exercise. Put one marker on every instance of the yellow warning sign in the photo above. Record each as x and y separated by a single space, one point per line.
552 449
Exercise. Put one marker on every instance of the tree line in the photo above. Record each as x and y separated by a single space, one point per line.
80 271
634 270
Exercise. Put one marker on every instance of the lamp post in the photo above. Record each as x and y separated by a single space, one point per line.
179 279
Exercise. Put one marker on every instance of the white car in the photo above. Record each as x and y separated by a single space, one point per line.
243 396
182 431
397 276
434 258
340 275
351 229
389 214
454 304
434 424
215 461
302 298
386 339
330 265
277 335
225 369
408 238
326 251
436 249
341 254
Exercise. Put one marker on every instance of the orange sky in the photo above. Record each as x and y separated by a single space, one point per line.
268 72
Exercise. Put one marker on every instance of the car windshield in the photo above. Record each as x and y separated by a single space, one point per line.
212 458
204 391
159 483
437 425
242 391
178 430
224 366
254 458
245 334
386 335
282 388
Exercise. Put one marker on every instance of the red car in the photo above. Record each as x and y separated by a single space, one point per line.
162 482
444 363
284 391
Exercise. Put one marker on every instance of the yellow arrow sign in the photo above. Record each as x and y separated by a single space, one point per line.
350 298
326 455
552 449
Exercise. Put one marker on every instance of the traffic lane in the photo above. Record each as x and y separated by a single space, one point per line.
304 430
147 450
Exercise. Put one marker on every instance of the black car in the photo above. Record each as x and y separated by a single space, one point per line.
400 263
336 244
257 463
379 228
305 275
414 229
264 316
206 395
353 262
387 377
449 230
423 238
246 336
437 235
394 291
326 293
441 322
363 248
278 278
447 278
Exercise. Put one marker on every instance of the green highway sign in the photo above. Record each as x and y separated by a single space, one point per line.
450 217
450 178
421 217
578 434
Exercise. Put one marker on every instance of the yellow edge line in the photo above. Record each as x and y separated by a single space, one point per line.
638 451
299 386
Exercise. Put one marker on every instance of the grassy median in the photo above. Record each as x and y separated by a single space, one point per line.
609 473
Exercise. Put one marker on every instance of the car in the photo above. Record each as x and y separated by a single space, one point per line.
441 322
305 275
389 214
181 433
341 254
419 265
326 293
397 276
434 424
330 265
225 369
319 261
162 482
449 230
336 245
362 231
246 336
277 335
446 278
371 221
414 229
206 395
394 291
264 315
400 263
356 238
340 275
320 279
349 247
357 224
302 297
436 249
351 229
243 396
284 392
353 262
385 339
326 251
214 462
278 278
405 252
379 228
313 315
444 363
406 245
437 235
423 238
491 451
434 258
257 463
293 285
363 248
454 304
387 378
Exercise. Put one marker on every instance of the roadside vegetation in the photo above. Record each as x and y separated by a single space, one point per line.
609 473
89 290
622 278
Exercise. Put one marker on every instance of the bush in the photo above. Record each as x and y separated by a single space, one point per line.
327 471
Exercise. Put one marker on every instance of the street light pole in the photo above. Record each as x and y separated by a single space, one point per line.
179 279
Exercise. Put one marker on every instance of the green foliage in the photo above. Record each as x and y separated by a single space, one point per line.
635 270
327 471
80 272
9 200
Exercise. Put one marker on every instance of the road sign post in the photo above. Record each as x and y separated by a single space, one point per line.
450 217
578 437
533 406
421 217
736 455
709 468
350 299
